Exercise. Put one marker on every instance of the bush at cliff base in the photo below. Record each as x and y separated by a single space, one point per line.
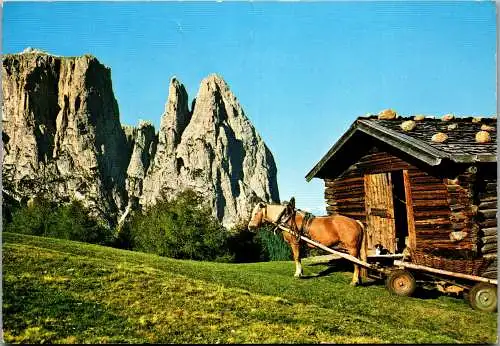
259 246
182 228
68 221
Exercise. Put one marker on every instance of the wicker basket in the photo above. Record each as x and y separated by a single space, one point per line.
466 266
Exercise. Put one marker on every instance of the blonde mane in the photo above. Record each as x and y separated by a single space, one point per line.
273 211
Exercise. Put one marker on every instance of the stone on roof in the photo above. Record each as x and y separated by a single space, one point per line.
488 128
387 114
456 138
483 137
448 117
408 125
461 133
439 137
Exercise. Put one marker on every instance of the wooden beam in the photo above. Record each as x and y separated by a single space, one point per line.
343 182
488 198
394 256
410 218
492 247
488 223
489 231
445 272
488 205
432 203
488 213
435 186
491 239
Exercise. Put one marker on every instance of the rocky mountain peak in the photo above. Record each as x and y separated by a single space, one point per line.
62 138
61 130
219 153
175 117
214 82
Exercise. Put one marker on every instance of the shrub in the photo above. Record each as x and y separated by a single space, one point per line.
9 206
72 221
181 228
273 246
32 219
68 221
259 246
245 246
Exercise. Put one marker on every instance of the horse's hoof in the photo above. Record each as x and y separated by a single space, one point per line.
298 275
354 283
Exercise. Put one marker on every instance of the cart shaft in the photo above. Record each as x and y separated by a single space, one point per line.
445 272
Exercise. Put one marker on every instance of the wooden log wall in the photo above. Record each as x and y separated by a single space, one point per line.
440 206
346 197
487 219
461 204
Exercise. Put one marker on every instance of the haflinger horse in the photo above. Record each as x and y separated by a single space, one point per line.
327 230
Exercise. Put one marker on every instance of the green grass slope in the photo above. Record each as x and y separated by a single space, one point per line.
57 291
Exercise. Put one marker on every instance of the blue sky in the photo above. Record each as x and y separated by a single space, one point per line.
303 71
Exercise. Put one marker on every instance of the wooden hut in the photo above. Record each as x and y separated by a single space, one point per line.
423 183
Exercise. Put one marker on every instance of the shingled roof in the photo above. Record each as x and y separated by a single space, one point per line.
460 145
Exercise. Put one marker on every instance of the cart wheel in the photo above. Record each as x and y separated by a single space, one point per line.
401 283
483 297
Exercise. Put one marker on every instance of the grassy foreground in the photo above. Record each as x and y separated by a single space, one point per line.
57 291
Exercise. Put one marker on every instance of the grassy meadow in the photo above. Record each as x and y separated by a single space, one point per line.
59 291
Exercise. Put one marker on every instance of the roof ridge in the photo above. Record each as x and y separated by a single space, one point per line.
459 118
417 144
462 147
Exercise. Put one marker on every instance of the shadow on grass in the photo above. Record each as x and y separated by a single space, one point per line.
425 293
339 265
33 304
324 272
334 265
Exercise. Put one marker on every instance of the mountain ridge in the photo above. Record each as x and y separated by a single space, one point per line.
62 137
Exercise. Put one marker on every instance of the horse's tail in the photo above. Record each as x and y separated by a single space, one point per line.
363 251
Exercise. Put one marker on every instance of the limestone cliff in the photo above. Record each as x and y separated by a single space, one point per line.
61 131
144 144
161 178
215 151
62 138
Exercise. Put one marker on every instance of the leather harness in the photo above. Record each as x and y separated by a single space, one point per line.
289 213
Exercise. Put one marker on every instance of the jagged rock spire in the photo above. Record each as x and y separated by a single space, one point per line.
63 138
219 154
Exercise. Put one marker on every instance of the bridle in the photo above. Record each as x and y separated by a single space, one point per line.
283 217
279 219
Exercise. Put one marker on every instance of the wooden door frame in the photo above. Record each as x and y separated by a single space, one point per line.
391 246
412 238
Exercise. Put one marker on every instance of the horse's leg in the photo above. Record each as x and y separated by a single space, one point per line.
356 279
296 258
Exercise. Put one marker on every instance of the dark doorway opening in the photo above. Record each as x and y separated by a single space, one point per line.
400 216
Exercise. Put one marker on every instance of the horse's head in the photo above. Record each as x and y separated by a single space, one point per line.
257 217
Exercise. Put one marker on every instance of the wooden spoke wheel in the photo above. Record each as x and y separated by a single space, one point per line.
401 283
483 297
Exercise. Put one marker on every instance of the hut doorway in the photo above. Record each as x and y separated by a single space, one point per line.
400 210
385 204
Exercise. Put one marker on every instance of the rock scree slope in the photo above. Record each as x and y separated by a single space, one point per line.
62 138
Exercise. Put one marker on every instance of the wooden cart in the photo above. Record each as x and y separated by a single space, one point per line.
402 277
481 292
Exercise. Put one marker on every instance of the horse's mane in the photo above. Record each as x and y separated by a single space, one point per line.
292 204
